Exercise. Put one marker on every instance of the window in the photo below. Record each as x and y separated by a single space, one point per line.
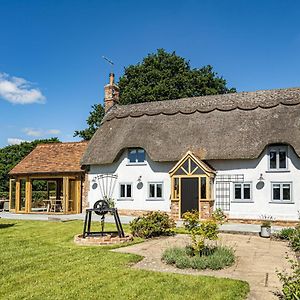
155 190
136 155
281 191
125 190
242 191
278 158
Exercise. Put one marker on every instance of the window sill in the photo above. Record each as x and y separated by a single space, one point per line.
155 199
281 202
125 199
278 171
137 164
242 201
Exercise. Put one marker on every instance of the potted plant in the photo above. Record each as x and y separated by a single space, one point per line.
265 228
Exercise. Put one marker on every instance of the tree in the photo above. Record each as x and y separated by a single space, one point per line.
166 76
160 76
93 122
10 156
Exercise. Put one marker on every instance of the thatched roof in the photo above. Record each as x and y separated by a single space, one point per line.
51 158
230 126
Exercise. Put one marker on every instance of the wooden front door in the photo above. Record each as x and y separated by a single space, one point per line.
189 194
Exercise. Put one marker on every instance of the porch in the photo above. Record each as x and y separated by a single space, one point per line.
48 194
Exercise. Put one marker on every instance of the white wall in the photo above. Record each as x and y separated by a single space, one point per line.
129 173
262 205
251 169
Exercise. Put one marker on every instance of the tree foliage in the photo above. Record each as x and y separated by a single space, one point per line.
166 76
93 122
10 156
160 76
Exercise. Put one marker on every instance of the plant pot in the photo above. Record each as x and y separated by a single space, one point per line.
265 231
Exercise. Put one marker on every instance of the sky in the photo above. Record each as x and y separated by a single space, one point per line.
52 70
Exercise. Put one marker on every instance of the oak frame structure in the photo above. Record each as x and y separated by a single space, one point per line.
57 167
190 166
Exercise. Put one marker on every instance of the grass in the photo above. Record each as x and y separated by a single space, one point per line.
40 261
182 258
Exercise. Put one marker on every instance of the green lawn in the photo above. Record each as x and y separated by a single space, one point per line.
38 260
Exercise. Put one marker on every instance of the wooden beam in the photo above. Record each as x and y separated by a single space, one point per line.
18 195
28 195
66 194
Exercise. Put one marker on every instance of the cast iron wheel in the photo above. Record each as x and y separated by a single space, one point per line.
101 205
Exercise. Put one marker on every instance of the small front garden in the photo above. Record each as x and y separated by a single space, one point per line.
203 252
40 261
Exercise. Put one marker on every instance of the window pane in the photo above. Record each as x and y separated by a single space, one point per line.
122 190
238 191
272 159
203 187
159 190
282 160
132 155
247 191
276 191
140 155
176 188
151 190
128 188
286 192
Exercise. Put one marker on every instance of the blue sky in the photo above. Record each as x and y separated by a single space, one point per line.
51 70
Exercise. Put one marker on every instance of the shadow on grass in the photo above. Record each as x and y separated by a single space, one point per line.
6 225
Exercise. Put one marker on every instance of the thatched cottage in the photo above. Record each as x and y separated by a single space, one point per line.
238 152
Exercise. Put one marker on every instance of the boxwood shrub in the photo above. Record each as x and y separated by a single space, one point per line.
152 224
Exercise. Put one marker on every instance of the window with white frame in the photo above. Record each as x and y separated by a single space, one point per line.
125 190
281 191
136 155
155 190
242 191
278 158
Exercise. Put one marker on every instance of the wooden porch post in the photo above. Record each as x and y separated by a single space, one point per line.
78 195
28 195
18 194
66 194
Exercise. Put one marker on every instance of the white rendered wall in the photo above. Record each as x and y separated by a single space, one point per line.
129 173
262 204
251 169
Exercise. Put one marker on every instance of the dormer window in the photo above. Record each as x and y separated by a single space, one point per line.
278 158
136 155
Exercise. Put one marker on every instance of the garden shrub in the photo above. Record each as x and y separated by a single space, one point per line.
294 239
152 224
218 258
201 231
284 234
290 281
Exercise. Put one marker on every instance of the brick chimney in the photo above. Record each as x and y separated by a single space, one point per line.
111 92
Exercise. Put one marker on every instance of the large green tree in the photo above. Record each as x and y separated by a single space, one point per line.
166 76
160 76
93 121
10 156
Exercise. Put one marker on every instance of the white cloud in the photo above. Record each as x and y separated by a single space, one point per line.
53 131
15 141
40 132
19 91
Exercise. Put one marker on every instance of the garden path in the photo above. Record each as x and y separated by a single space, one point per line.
256 260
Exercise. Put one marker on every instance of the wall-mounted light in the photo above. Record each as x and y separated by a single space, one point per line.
140 178
261 178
